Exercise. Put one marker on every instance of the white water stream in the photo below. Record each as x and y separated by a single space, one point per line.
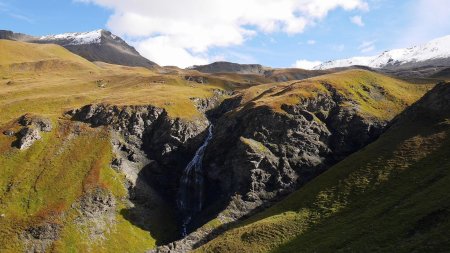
190 194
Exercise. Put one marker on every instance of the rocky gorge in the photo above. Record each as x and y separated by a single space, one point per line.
255 156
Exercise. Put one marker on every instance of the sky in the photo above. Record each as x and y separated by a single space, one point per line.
275 33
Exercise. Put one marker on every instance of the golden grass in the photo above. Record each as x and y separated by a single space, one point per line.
21 52
372 94
38 85
41 183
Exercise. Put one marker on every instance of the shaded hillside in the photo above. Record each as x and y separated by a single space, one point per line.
390 196
251 72
229 67
442 74
279 136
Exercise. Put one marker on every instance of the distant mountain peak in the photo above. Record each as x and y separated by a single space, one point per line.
79 38
430 53
99 45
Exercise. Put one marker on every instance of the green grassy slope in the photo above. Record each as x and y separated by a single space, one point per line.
392 196
41 184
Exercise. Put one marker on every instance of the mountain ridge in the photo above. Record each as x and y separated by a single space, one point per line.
99 45
435 52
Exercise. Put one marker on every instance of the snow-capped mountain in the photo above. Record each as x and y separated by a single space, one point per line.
435 53
98 45
84 38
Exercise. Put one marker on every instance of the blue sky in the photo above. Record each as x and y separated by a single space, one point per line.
271 34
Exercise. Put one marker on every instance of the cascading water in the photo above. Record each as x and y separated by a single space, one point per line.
190 194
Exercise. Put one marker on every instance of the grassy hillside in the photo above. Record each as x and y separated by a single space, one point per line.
55 87
41 185
374 95
47 183
392 196
21 52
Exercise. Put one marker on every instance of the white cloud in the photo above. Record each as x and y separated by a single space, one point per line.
305 64
367 46
357 20
195 26
311 42
167 53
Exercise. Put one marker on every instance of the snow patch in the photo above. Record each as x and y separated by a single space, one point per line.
83 38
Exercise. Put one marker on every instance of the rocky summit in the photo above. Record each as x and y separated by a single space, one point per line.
103 150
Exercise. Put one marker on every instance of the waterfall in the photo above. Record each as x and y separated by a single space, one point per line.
190 194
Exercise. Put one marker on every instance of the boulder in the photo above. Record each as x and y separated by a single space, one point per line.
9 132
39 238
28 136
43 124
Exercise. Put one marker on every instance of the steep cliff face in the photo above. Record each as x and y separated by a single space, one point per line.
149 144
269 140
390 196
265 153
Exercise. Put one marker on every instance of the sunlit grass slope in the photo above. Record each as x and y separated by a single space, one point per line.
372 94
392 196
40 185
13 52
45 86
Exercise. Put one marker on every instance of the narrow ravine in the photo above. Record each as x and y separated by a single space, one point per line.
190 193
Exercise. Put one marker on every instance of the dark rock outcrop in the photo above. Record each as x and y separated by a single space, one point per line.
96 210
150 146
196 79
38 239
207 105
258 155
33 125
41 123
9 133
28 135
96 203
265 154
